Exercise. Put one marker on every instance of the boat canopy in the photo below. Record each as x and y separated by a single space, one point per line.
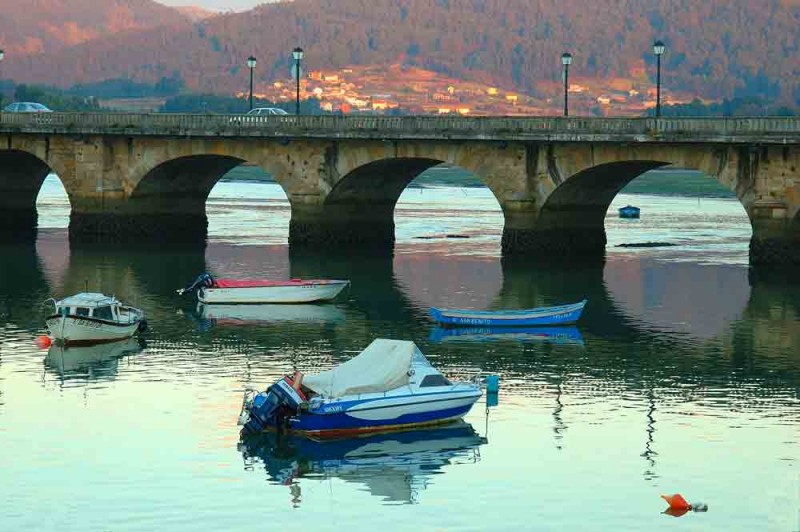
87 299
381 367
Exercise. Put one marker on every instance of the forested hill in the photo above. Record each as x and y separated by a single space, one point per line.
46 26
716 48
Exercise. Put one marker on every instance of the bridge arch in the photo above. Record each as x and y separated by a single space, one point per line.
365 181
158 190
571 217
22 173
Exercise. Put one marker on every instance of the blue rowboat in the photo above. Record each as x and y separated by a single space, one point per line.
560 315
388 386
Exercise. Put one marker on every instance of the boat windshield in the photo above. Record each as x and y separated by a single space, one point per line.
81 311
103 313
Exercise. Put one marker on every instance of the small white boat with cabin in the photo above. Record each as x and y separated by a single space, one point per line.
233 291
91 318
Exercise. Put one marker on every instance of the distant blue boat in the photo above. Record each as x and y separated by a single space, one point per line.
560 315
629 211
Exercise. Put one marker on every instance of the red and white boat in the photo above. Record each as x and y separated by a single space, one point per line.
230 291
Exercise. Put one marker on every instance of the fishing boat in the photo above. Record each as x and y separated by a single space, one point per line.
559 315
91 318
390 385
629 211
232 291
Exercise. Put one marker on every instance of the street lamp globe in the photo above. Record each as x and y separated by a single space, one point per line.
251 61
297 53
566 59
658 47
2 55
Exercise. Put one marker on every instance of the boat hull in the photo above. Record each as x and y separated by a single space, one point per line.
345 418
561 315
78 330
297 293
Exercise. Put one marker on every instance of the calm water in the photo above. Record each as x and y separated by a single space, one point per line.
683 376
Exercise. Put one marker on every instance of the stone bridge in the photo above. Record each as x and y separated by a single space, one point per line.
147 176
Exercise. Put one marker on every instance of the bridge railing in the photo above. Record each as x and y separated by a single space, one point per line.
436 127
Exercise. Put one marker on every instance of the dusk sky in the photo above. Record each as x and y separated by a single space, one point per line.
219 5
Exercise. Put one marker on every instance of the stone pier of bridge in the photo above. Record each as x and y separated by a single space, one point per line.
144 178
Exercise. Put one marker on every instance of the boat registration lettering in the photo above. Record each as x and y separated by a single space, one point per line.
86 323
333 409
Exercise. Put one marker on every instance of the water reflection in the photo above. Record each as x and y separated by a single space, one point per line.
96 362
556 335
213 315
394 467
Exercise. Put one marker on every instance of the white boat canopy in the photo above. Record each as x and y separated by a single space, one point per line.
382 366
87 299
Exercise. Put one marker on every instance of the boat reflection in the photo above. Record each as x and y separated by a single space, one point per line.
95 361
555 335
394 466
207 316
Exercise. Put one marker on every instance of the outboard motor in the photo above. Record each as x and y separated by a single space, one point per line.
266 408
204 279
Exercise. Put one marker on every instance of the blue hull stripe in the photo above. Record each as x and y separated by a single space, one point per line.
353 406
311 422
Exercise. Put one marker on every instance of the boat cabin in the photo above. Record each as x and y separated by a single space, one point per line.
92 305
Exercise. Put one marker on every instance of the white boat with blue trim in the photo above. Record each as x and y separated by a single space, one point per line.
388 386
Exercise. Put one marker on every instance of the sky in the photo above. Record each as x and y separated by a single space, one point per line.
217 5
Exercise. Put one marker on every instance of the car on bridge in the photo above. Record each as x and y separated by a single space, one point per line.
26 107
259 114
266 111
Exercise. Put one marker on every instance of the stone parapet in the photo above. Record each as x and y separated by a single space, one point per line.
748 130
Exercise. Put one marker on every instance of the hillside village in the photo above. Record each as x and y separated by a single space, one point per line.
402 89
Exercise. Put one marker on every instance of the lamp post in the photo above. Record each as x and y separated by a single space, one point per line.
658 49
566 60
297 53
251 63
2 56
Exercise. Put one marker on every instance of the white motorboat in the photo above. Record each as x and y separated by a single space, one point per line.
232 291
388 386
92 318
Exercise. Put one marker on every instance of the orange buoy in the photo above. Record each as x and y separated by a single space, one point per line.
676 502
43 341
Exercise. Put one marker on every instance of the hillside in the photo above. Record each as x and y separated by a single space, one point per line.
46 26
716 48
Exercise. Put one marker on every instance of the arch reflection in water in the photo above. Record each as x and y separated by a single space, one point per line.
210 315
555 335
90 362
395 467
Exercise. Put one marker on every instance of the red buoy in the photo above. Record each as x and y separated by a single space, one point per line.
676 502
43 341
